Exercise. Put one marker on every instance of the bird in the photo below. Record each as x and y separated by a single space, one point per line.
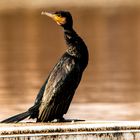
54 98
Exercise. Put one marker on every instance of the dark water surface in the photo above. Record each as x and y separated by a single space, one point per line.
31 44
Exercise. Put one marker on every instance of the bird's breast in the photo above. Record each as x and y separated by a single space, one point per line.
68 66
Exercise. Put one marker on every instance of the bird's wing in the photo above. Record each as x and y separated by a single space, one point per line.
60 88
34 110
40 94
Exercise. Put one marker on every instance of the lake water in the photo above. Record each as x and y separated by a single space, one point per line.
31 44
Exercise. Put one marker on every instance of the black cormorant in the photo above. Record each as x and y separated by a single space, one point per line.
55 96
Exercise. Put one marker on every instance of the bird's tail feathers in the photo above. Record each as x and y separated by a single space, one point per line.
17 118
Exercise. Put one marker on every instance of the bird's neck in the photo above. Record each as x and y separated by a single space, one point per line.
70 36
73 41
76 46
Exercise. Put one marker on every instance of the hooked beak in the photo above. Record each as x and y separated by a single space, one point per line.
48 14
55 17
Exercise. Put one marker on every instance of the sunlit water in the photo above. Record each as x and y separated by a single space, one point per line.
31 44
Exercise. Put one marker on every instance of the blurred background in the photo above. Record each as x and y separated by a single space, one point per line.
31 44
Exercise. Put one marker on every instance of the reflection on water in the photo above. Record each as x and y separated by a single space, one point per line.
30 45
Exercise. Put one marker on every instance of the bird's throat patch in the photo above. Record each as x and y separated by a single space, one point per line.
60 20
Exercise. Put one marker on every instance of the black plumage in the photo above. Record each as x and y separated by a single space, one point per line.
56 94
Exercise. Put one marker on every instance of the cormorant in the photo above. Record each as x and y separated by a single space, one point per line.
55 96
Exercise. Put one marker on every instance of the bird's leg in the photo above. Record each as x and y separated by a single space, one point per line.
66 120
59 120
72 120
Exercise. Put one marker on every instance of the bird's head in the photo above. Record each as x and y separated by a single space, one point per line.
62 18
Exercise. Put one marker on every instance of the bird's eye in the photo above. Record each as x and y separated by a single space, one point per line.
58 15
